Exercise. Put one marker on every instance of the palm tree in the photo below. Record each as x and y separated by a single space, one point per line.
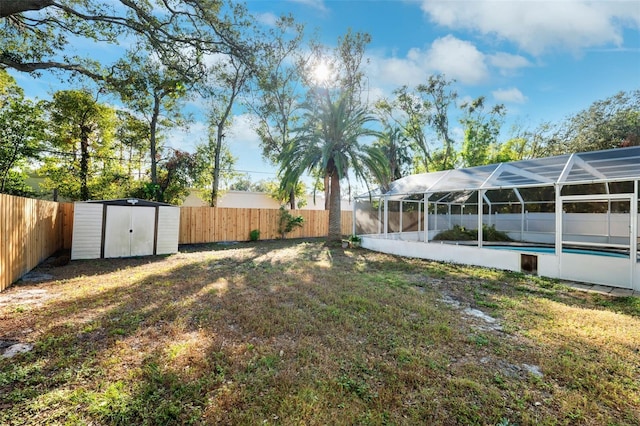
328 140
394 144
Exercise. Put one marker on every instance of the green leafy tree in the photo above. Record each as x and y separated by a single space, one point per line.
481 130
288 222
272 187
441 97
241 183
83 133
156 92
610 123
276 95
132 135
230 78
423 114
176 177
393 143
329 140
38 34
207 162
21 136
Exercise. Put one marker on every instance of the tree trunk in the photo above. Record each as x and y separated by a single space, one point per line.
335 220
7 169
84 162
327 192
216 164
5 173
292 198
153 148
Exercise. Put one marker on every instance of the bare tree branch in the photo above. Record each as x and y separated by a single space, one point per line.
38 66
12 7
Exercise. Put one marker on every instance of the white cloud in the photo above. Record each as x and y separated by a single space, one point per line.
507 61
186 139
316 4
456 59
511 95
399 71
269 19
539 26
241 136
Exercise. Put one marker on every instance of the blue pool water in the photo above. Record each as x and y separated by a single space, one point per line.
551 250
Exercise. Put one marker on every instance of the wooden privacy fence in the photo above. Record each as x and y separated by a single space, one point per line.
211 224
30 231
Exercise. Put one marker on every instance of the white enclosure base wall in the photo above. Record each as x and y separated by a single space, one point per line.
605 270
406 236
611 271
548 266
636 277
465 255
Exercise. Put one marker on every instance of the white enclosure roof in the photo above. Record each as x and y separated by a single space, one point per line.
587 167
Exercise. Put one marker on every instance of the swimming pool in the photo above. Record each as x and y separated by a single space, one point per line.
552 250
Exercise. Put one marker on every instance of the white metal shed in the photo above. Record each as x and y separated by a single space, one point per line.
124 228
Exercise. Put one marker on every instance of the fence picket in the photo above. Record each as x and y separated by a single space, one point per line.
32 230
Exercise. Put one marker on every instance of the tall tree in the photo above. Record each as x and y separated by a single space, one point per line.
481 130
609 123
276 95
423 114
22 132
155 91
229 78
207 159
83 132
438 90
37 33
133 138
329 140
336 76
410 113
393 144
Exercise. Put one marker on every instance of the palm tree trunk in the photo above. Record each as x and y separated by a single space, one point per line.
335 225
326 192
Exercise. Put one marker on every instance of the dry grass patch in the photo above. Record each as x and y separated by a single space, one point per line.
296 332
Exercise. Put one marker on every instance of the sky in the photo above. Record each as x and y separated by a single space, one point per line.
544 60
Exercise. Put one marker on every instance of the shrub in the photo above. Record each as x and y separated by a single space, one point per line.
288 222
460 233
254 235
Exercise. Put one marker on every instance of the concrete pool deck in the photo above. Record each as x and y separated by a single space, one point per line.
603 289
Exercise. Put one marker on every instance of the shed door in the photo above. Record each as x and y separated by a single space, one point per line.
129 231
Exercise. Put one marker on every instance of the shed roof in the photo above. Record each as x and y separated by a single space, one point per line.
136 202
586 167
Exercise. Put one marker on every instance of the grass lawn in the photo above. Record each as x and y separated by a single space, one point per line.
298 333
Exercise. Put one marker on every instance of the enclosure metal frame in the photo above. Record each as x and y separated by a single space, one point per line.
601 167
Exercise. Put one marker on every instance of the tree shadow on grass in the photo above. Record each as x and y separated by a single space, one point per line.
76 338
86 344
262 333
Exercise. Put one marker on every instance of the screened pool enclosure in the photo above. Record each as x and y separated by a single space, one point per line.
572 217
